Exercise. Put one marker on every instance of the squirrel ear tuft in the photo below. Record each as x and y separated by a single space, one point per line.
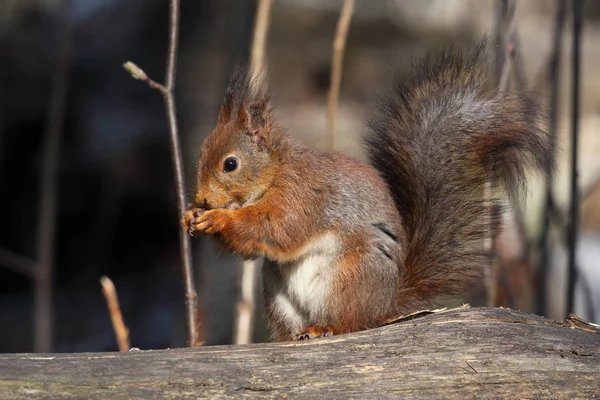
246 104
226 108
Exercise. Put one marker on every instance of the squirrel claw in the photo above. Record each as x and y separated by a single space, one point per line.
190 220
313 332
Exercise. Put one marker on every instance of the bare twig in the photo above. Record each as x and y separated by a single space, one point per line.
549 208
167 91
506 12
18 263
339 45
246 307
500 29
121 331
43 302
508 44
574 208
139 74
259 40
518 67
470 366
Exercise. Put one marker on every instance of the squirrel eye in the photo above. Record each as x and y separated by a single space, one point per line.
230 164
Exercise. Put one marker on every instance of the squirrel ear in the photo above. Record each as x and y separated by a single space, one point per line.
258 115
226 107
255 119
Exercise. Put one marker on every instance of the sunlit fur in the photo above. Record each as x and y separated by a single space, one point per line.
350 244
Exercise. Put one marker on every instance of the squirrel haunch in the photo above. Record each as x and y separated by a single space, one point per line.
347 244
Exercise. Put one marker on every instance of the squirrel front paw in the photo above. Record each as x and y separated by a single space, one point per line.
190 219
315 331
208 222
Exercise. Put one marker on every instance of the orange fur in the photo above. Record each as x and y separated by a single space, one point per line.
349 245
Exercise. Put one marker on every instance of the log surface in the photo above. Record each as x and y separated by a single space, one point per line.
460 353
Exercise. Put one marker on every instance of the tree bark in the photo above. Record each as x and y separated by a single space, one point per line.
459 353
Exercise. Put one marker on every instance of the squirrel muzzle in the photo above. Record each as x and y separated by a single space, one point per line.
216 198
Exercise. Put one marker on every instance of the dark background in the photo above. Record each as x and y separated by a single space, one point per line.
116 211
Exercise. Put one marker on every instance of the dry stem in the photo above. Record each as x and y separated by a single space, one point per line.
259 40
510 52
509 48
549 210
575 113
43 307
507 40
121 331
18 263
246 307
339 45
167 90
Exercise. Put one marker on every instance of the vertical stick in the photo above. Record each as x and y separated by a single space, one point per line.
191 297
553 110
259 40
43 297
167 91
574 209
246 307
508 47
501 13
512 68
505 53
339 45
112 300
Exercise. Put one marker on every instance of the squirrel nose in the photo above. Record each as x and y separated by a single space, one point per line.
201 202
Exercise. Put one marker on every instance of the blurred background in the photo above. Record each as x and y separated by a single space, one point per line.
115 212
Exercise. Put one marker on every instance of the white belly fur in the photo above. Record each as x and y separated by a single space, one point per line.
305 282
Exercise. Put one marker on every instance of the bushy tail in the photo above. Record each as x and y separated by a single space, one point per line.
436 140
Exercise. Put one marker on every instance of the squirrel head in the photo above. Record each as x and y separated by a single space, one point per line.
236 164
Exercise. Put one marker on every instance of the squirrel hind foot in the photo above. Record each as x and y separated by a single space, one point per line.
315 331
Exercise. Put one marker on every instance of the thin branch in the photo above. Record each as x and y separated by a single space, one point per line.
246 307
549 209
171 71
509 48
139 74
574 208
47 210
518 67
259 41
167 91
121 331
504 16
339 45
509 68
506 12
500 28
18 263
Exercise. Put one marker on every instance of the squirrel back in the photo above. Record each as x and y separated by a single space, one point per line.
437 139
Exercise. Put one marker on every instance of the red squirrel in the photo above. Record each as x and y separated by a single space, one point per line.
348 244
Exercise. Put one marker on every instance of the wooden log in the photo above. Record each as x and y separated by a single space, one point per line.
459 353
